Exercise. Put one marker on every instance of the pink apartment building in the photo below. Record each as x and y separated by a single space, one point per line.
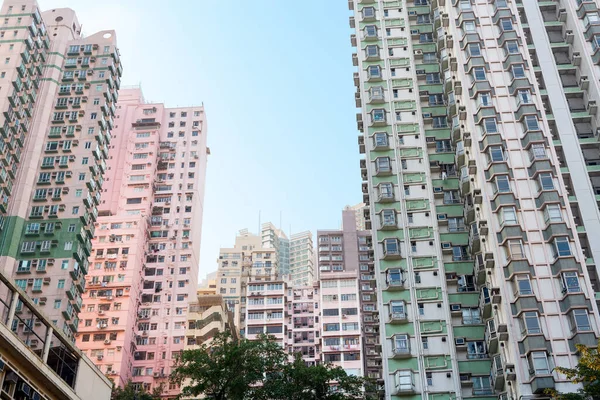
349 321
144 267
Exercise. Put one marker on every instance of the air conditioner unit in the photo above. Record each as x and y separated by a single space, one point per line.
446 245
107 341
100 312
438 189
455 307
426 115
442 217
412 13
430 139
459 341
414 31
99 356
420 72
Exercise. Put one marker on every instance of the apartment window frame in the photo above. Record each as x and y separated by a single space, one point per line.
531 325
552 213
502 184
538 363
570 282
479 74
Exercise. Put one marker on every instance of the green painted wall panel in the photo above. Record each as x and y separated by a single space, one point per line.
424 262
438 133
475 332
447 158
390 234
409 363
475 367
447 184
433 327
413 177
386 296
62 235
394 329
429 294
13 226
451 210
380 179
459 267
420 204
437 362
458 239
385 265
407 128
466 299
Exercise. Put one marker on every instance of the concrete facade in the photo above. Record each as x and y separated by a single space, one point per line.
144 264
478 126
57 128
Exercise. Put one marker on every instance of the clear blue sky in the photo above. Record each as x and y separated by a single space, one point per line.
275 77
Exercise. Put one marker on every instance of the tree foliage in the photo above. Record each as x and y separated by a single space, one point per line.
129 392
259 370
587 372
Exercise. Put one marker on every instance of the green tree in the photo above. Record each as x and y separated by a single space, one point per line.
128 392
587 372
297 381
231 369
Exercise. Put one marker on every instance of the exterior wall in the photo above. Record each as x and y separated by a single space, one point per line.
304 334
340 296
146 251
56 193
301 259
37 361
207 316
482 283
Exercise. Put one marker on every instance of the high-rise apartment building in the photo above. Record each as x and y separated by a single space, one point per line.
207 316
56 132
359 211
348 299
275 238
479 125
302 268
249 258
304 329
144 265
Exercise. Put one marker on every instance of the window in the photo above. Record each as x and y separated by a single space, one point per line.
401 344
469 26
508 216
523 285
372 51
426 38
388 218
374 71
580 321
515 250
531 123
474 49
518 71
380 139
471 316
546 181
391 247
552 213
475 350
386 191
570 282
511 47
502 184
432 78
404 381
530 323
524 97
538 363
496 154
368 12
370 31
485 99
489 125
506 24
378 115
538 152
591 18
383 165
479 74
465 4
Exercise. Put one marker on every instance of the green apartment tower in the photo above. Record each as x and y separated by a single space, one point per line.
479 128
